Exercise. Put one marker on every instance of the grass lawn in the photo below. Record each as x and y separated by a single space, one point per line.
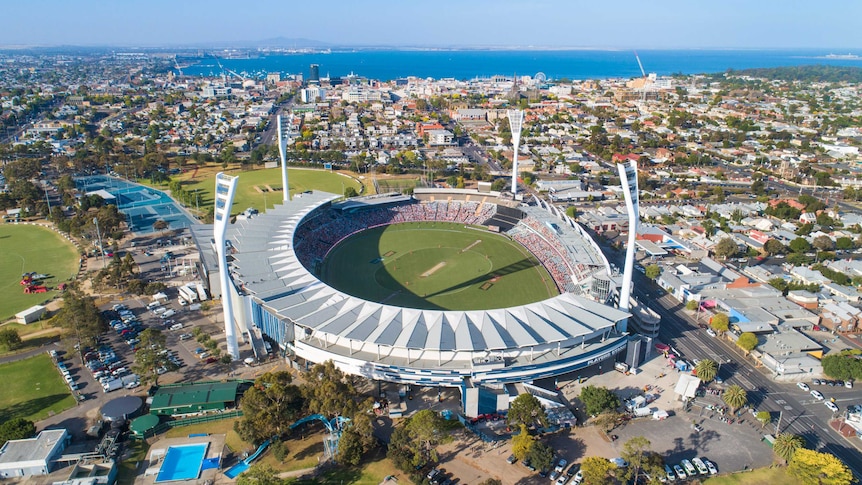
224 426
761 476
33 389
128 467
26 248
247 195
437 266
372 471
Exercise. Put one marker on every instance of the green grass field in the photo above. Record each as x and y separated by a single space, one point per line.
247 196
26 248
437 266
32 389
761 476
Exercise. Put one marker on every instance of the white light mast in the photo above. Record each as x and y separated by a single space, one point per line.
516 119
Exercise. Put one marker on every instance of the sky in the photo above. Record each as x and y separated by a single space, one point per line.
644 24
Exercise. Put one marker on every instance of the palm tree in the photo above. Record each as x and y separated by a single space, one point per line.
735 397
786 444
706 370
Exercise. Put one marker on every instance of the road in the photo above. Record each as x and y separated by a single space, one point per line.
800 413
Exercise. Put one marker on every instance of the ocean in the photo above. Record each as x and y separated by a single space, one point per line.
555 64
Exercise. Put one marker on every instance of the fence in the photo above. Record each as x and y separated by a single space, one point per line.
178 423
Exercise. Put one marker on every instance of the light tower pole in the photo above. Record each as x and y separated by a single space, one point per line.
225 190
282 152
516 119
99 236
629 181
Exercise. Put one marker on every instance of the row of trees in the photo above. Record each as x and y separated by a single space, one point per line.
809 466
845 365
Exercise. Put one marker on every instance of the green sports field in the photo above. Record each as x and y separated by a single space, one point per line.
437 265
253 187
26 248
33 389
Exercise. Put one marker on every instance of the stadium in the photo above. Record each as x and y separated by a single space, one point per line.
283 286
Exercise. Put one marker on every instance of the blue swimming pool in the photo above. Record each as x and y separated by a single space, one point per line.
182 463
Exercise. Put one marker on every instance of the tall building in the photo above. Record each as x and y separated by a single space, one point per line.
629 181
225 190
314 74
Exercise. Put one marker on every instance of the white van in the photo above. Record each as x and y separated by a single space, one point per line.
168 313
159 310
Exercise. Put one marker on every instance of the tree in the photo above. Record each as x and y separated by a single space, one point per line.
350 448
350 192
526 409
816 468
800 245
330 392
691 305
151 356
426 429
596 470
541 456
598 399
260 474
269 407
764 417
10 339
841 366
735 397
720 322
786 444
80 314
608 420
16 429
774 246
635 452
726 248
823 243
747 341
706 370
522 443
652 271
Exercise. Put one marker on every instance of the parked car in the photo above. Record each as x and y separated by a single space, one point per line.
710 466
185 336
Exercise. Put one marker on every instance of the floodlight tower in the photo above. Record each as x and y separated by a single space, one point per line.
282 153
629 181
516 119
225 190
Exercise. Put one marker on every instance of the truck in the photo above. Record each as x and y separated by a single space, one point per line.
621 367
112 385
682 365
202 294
188 293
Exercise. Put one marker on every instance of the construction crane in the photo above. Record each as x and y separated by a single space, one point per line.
643 73
226 70
177 65
640 65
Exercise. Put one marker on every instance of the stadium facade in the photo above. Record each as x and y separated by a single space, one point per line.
275 293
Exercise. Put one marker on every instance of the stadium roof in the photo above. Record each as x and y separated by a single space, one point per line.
267 267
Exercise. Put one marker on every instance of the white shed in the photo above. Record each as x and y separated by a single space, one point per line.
30 315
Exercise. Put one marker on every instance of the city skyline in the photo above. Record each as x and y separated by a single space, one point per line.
677 24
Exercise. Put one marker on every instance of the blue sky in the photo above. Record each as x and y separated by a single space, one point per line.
823 24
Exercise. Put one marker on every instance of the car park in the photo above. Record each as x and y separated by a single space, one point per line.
561 480
680 474
553 476
185 336
561 465
803 386
579 477
572 470
817 395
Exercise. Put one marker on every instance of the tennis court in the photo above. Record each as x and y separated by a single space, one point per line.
142 205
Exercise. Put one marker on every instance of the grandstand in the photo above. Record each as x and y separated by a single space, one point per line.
277 285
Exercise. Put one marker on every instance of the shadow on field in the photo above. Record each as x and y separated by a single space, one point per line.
27 408
513 268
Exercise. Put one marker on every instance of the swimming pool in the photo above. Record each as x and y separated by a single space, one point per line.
182 463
